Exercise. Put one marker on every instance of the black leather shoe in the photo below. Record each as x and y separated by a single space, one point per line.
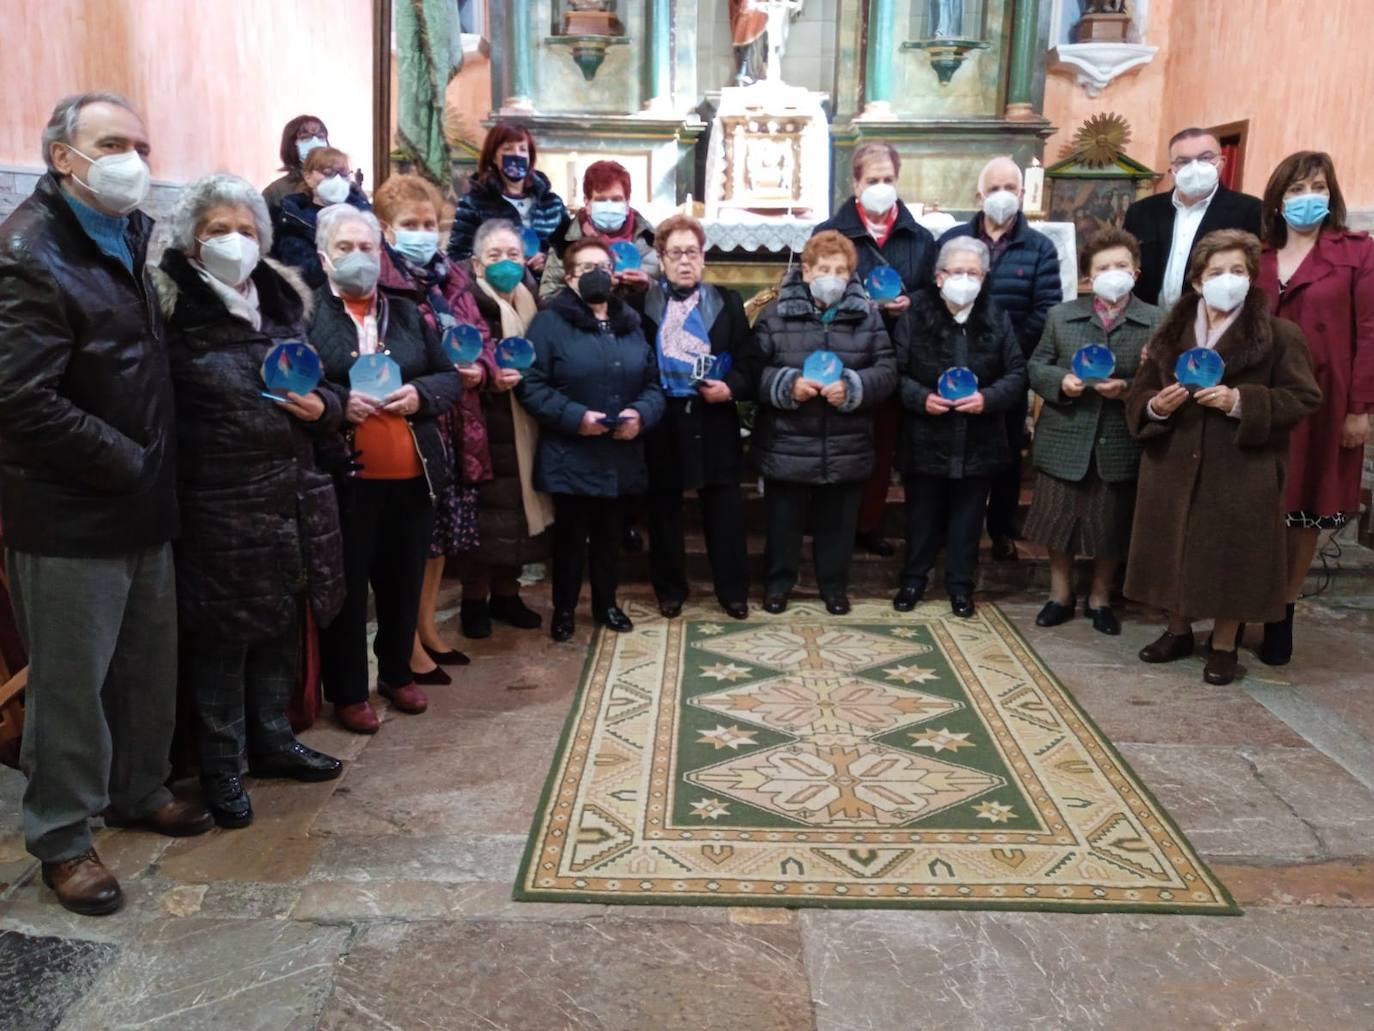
563 625
775 603
736 609
296 762
435 676
614 619
961 605
475 618
1004 549
1220 668
908 598
227 801
452 657
514 612
1104 619
1168 647
670 609
875 544
1054 613
837 605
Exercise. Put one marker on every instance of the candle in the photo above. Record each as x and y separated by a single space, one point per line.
1035 188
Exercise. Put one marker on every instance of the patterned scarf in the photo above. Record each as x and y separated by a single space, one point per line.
682 339
1109 313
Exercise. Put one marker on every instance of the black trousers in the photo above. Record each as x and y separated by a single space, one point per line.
386 528
722 520
941 512
832 512
1005 497
586 525
241 693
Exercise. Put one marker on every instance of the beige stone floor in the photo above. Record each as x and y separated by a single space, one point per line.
382 900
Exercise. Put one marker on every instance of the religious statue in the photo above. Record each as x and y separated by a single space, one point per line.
1103 6
758 32
1103 21
947 18
591 18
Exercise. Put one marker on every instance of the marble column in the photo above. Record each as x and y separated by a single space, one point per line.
658 57
1024 32
879 54
520 37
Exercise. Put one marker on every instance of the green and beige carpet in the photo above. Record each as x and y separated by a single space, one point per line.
878 759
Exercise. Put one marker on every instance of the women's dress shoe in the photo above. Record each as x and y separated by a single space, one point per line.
359 717
514 612
1104 619
775 603
1277 647
227 801
1221 667
475 619
407 697
961 605
837 605
908 598
614 619
1055 613
564 623
432 677
875 544
451 657
176 819
84 885
670 609
1168 647
296 762
736 609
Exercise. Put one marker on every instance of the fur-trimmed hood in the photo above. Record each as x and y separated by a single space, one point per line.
186 299
795 300
932 316
1247 342
571 308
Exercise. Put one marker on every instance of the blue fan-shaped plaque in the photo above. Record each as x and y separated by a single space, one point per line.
515 353
1094 362
721 367
823 367
463 343
884 283
291 368
1199 368
958 383
626 256
375 376
529 240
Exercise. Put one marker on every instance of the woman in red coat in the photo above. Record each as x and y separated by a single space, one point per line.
1321 276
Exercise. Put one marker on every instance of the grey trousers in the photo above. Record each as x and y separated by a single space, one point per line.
101 700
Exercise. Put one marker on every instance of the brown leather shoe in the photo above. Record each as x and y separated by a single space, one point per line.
1221 667
359 717
407 697
83 885
1168 648
176 819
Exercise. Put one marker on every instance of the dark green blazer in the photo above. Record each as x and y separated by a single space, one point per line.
1071 430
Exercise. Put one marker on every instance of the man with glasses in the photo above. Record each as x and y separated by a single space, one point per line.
1169 224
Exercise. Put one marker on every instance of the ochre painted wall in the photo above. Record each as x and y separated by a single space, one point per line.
216 81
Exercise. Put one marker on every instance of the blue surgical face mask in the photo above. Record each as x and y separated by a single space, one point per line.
304 147
417 246
504 276
1306 210
515 167
609 215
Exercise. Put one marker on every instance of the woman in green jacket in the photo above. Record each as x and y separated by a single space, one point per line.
1087 459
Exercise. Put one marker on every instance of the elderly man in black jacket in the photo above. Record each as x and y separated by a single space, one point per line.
1025 283
88 498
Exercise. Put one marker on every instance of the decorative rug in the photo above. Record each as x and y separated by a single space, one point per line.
908 760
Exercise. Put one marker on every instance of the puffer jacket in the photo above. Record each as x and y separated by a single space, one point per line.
87 440
929 341
815 442
294 233
484 201
260 524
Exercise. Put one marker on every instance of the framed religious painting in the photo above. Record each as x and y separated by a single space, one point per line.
1096 181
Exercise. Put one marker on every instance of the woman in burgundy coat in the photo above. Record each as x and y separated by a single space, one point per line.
1321 276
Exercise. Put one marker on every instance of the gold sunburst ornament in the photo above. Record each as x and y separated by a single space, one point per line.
1100 140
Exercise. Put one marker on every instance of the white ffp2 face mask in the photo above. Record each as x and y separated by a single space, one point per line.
828 289
1196 178
230 258
1000 206
333 190
961 290
119 181
878 199
1113 284
1226 291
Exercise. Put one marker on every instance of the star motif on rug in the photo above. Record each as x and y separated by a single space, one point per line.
905 632
942 740
730 737
709 629
994 812
911 674
726 671
710 809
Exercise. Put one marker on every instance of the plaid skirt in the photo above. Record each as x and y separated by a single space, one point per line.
1090 518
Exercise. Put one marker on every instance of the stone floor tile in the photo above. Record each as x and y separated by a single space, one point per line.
188 974
1340 883
349 901
405 857
636 974
44 977
1338 809
1275 969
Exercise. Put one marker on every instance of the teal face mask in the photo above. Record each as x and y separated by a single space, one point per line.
417 246
504 276
1306 210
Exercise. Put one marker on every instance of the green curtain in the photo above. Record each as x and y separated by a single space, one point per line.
429 53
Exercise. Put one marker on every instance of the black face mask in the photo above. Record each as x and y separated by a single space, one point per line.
515 167
594 287
681 293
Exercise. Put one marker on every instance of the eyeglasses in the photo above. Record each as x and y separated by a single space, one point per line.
690 254
1206 157
584 268
330 173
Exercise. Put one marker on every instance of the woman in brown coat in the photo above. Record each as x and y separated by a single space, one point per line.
1209 522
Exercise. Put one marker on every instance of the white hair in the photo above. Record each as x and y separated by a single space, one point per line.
963 245
490 228
994 163
199 196
61 127
334 216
